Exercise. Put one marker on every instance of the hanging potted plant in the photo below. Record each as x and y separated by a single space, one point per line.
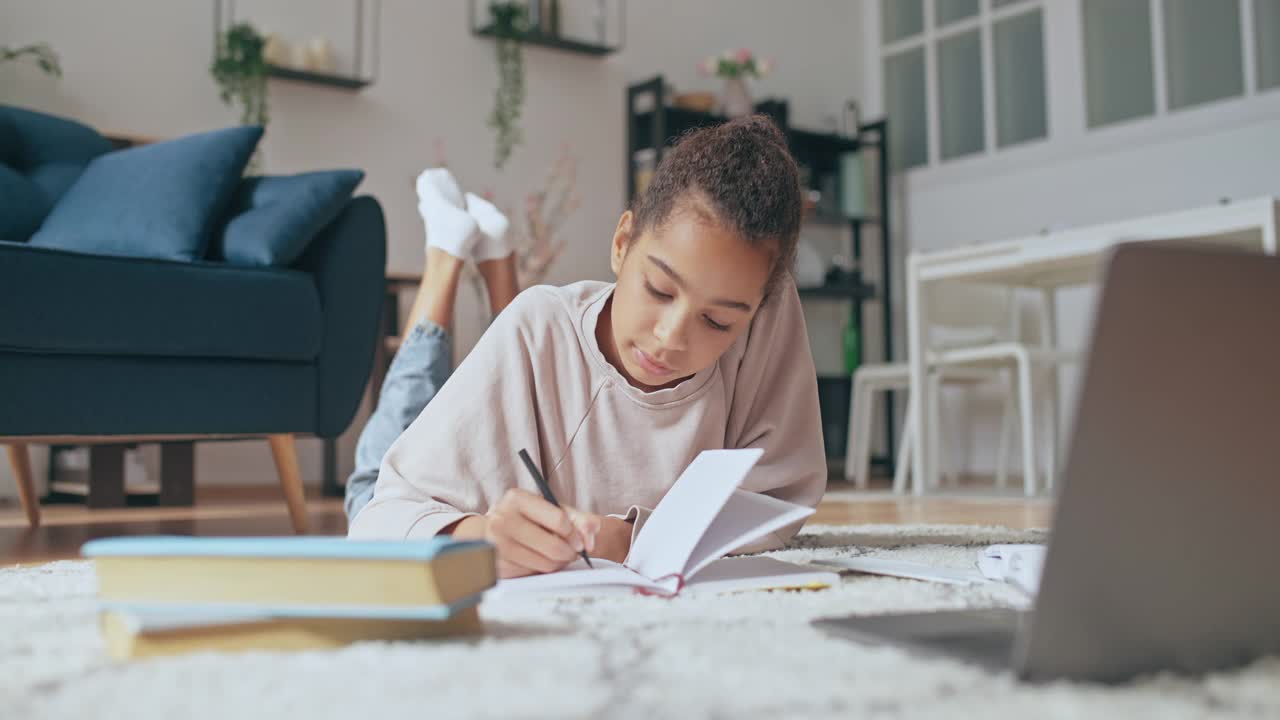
510 23
240 70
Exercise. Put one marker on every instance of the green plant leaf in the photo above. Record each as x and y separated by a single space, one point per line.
510 23
240 70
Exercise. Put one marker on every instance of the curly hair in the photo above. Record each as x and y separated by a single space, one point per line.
743 173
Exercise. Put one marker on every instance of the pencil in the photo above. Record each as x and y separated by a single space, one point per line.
546 492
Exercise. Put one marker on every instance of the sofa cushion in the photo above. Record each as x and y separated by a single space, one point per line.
22 205
32 142
56 301
273 218
152 201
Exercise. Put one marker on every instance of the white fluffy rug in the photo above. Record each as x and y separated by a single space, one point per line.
741 656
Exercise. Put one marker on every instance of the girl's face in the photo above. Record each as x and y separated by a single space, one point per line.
685 293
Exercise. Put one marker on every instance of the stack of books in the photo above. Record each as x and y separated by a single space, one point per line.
167 595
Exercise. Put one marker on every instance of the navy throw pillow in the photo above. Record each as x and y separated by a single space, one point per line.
274 218
154 201
22 205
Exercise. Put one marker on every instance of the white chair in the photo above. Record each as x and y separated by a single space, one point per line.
975 336
1034 364
1035 370
871 379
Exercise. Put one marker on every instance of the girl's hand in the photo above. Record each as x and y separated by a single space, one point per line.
607 537
613 541
533 536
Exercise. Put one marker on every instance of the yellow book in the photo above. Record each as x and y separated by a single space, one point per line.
133 635
294 576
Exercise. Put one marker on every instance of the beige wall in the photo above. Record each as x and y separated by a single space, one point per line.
142 66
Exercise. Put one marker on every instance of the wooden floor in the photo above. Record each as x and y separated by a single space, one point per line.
261 511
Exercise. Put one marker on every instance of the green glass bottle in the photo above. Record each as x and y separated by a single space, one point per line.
852 348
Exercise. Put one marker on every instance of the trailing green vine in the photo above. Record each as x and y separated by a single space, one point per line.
41 53
241 72
510 23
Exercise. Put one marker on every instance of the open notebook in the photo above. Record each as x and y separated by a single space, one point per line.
682 546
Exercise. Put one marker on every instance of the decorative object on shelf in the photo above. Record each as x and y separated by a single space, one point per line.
810 270
277 50
240 70
853 179
510 24
735 101
317 55
645 161
852 342
701 101
43 56
735 66
600 18
548 21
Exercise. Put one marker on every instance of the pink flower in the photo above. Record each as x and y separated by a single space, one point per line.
708 66
743 56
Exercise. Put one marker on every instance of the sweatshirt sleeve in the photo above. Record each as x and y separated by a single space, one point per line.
460 455
775 408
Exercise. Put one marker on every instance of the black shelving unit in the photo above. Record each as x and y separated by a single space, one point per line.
840 291
653 125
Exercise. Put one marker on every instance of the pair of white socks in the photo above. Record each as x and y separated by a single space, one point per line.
463 226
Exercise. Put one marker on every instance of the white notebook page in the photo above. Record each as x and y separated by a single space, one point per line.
684 514
745 518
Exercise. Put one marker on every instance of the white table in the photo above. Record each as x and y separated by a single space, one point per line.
1055 260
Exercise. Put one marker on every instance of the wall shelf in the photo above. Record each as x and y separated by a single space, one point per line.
555 42
338 81
575 27
357 62
840 291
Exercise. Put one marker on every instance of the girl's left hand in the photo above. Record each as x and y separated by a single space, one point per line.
612 537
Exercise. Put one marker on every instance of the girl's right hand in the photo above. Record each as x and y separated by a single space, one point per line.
533 536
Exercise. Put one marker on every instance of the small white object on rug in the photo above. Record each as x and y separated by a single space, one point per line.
750 655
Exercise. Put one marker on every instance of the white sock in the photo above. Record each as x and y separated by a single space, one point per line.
449 226
493 243
442 181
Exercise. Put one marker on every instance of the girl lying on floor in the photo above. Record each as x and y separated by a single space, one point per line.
613 388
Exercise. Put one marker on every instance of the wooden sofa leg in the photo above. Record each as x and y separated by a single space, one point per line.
20 459
285 453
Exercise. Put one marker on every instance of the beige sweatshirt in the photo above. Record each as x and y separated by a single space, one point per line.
538 380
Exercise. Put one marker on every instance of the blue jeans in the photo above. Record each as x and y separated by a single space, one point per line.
418 371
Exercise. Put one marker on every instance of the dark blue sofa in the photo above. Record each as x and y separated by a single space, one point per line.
96 346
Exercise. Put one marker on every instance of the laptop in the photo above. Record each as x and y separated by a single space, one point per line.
1164 552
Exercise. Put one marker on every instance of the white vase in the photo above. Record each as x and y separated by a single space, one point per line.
277 51
735 101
